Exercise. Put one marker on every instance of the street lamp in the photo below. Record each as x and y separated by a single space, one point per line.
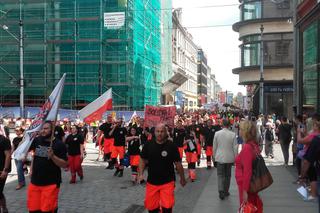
261 102
20 40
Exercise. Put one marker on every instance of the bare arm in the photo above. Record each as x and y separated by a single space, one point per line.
142 166
180 170
7 163
56 160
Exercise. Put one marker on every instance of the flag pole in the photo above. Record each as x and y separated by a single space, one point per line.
56 117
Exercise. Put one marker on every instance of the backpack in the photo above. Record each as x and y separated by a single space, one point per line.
269 135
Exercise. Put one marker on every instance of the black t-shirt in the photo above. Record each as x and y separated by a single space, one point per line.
161 158
15 142
134 147
143 134
178 136
73 143
191 143
4 146
285 132
209 133
119 135
83 131
106 128
313 153
45 171
197 129
59 133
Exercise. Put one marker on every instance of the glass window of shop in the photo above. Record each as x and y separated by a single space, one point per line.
310 64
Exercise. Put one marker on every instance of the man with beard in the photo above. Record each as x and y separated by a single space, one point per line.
49 157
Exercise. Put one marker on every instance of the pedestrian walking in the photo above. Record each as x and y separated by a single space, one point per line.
75 149
208 133
108 141
134 144
268 140
225 149
5 167
161 155
191 153
119 133
19 163
285 138
179 134
43 190
244 160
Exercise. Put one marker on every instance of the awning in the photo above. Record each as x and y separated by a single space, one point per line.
174 83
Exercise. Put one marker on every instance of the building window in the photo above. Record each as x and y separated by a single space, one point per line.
251 10
251 54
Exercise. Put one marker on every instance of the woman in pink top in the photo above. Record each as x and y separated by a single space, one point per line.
243 162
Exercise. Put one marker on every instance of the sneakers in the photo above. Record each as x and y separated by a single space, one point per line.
221 195
120 173
20 186
311 199
110 166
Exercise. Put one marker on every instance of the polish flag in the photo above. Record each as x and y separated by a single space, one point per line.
94 111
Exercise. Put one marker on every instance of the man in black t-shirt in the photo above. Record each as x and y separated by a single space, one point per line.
5 168
58 132
108 140
161 155
119 134
208 133
75 143
198 129
179 133
45 182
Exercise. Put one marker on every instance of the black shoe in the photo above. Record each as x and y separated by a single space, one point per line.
226 194
116 172
198 163
110 166
120 174
209 167
221 195
81 177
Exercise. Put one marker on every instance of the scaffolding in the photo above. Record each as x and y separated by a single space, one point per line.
68 36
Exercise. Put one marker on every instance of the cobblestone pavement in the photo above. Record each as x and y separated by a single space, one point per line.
100 192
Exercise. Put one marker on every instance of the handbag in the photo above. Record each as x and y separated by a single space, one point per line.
261 177
247 207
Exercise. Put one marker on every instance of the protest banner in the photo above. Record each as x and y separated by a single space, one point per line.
155 115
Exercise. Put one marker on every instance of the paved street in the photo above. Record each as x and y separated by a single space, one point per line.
100 192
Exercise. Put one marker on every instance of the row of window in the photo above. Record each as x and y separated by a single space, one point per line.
257 9
277 50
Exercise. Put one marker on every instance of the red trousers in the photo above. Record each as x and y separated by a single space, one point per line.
159 196
181 152
75 166
42 198
108 144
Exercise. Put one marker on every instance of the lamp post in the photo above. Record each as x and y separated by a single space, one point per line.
20 40
261 102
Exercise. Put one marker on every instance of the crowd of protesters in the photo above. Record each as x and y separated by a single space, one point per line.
225 138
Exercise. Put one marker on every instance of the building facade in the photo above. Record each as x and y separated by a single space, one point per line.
204 72
274 18
184 60
73 37
307 67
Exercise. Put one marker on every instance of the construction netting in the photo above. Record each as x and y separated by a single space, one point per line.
70 36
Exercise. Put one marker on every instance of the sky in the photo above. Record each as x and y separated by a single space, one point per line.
221 44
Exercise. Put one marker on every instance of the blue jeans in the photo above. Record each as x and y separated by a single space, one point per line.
19 165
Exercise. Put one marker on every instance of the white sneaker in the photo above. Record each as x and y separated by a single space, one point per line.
311 199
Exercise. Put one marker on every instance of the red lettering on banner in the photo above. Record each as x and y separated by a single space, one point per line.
155 115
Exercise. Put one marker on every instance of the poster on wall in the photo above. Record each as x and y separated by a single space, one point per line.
114 20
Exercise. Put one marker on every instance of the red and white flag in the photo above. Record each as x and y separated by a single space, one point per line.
94 111
48 112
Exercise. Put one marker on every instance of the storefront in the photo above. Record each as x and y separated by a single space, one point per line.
308 58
